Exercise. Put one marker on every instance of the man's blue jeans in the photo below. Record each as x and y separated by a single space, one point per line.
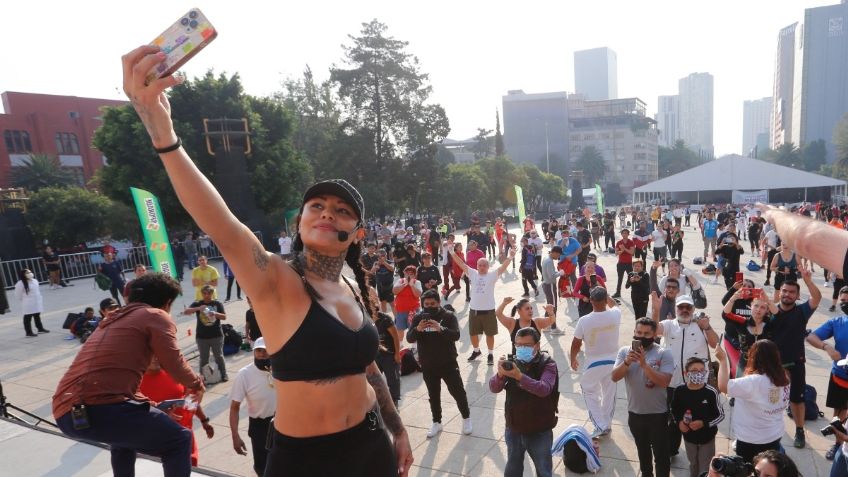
840 464
135 427
538 445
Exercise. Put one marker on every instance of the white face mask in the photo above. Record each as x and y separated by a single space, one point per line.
29 275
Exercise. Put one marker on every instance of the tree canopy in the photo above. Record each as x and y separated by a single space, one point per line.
40 171
591 162
673 160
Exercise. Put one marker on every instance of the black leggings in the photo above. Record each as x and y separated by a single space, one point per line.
677 250
361 451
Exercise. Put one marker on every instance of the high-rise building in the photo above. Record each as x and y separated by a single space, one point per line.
596 73
821 75
696 113
536 129
621 132
784 82
756 120
668 114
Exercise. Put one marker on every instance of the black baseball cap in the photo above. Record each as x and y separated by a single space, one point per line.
339 188
107 303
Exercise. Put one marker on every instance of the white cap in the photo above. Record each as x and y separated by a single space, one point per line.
259 343
684 300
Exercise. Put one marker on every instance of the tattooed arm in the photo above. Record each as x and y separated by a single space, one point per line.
391 418
243 252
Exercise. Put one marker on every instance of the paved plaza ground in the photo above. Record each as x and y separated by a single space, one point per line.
31 368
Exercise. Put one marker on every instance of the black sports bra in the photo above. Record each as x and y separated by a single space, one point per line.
324 347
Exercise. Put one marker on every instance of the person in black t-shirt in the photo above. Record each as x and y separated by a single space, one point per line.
731 250
788 331
209 335
368 260
251 327
388 358
428 273
697 411
585 239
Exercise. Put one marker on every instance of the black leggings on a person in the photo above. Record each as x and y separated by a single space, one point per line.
623 269
433 378
677 250
364 450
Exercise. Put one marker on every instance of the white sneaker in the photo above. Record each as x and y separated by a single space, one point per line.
434 431
467 428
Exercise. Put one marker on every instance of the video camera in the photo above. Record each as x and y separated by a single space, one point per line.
731 466
834 424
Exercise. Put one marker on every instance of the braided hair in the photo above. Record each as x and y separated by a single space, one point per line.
354 254
518 306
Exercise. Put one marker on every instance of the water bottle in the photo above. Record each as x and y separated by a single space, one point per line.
687 417
189 404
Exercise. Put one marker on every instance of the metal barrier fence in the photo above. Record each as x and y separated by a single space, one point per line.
85 264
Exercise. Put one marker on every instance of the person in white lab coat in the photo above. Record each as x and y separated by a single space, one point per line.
29 295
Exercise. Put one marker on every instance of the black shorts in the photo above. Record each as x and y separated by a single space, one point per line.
797 381
364 450
837 396
384 292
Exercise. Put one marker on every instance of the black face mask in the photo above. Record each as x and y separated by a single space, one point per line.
844 307
432 310
263 364
646 342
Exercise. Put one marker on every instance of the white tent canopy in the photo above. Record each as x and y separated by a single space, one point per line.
737 173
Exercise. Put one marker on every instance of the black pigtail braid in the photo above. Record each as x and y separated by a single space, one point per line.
354 252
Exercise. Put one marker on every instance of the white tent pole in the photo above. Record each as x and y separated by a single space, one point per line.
805 194
699 197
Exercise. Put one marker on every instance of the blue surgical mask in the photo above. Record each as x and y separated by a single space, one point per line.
524 353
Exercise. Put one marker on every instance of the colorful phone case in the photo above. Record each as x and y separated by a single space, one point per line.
184 39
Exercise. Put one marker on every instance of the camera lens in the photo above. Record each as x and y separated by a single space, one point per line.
192 14
193 24
184 22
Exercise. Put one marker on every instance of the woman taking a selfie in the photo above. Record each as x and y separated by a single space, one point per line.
327 417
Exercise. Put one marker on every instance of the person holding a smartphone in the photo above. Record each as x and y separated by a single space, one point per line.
746 328
731 251
334 394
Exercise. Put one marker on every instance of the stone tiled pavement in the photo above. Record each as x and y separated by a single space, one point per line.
31 368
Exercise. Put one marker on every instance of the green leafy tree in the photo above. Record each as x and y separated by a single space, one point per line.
482 143
591 162
676 159
502 177
278 174
69 216
464 189
814 155
542 188
39 171
787 155
500 149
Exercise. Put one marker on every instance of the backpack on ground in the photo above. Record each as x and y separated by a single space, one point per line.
698 260
408 363
811 409
753 266
232 339
709 269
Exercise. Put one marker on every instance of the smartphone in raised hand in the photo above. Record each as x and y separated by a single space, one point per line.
181 41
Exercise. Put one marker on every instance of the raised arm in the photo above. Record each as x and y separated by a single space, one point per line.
242 250
508 260
816 240
457 259
504 320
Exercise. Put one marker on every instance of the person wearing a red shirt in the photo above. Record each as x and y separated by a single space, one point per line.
159 386
529 224
624 249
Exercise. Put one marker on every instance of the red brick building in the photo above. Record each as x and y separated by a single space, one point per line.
61 126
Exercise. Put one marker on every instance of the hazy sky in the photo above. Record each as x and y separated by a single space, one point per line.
474 51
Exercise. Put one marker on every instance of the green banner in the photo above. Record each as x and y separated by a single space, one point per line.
155 235
519 201
289 223
599 198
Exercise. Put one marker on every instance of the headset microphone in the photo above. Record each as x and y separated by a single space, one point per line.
343 236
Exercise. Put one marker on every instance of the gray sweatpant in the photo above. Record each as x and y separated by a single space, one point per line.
217 347
699 456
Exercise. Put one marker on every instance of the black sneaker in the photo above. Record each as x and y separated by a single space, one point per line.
31 335
832 308
617 295
474 355
732 401
490 360
44 331
468 298
767 283
800 441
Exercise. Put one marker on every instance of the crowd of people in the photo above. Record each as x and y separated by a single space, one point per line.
342 402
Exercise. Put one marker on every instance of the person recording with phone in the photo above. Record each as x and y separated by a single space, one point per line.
436 331
639 283
745 330
531 380
646 369
98 398
837 388
687 336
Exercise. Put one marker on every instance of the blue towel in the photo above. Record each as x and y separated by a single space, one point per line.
584 440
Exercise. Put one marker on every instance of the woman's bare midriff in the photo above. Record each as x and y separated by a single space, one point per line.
308 409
